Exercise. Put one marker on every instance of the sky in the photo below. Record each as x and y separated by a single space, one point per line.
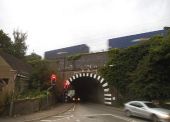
55 24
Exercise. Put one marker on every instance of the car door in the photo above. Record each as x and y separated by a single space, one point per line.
133 108
141 110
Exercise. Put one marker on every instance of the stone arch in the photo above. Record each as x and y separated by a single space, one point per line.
101 80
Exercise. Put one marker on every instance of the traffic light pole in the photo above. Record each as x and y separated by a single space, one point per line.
47 94
64 69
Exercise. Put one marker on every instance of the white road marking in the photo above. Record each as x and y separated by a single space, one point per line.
68 117
116 116
74 108
46 120
60 119
60 116
123 118
77 120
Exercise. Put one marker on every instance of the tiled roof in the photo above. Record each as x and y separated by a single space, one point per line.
17 64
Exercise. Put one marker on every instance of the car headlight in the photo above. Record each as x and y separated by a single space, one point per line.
165 116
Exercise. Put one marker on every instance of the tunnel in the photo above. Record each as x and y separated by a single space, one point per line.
90 87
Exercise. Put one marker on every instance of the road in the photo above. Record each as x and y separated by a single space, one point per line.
91 113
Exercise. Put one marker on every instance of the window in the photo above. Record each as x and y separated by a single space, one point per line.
133 104
3 82
151 105
136 104
139 105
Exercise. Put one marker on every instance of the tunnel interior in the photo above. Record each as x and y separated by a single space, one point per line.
88 89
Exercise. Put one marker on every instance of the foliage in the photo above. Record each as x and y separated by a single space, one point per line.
19 45
141 71
151 79
5 43
33 57
40 75
31 94
74 57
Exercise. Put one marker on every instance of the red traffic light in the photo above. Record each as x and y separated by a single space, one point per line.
53 79
66 84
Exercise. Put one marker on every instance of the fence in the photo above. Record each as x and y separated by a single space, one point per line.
27 106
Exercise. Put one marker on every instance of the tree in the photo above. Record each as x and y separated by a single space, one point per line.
41 73
40 76
122 62
33 57
5 43
141 71
151 79
19 45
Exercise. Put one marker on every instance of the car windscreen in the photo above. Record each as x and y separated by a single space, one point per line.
151 105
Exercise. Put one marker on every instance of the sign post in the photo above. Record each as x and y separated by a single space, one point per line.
53 79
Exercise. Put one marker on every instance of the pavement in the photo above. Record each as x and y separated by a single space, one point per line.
58 109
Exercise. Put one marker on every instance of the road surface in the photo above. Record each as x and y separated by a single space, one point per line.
91 113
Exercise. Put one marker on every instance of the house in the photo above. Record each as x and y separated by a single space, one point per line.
14 74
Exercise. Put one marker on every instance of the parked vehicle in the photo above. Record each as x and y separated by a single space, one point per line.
76 99
148 110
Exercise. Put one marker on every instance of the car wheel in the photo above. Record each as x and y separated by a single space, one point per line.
155 118
128 113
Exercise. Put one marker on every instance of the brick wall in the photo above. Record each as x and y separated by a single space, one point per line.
32 105
86 61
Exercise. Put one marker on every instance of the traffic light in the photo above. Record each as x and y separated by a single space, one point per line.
66 84
53 79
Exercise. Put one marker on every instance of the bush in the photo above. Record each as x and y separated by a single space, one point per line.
31 94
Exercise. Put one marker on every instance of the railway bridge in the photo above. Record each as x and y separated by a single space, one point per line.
81 72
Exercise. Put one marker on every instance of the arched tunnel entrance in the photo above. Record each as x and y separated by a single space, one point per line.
88 89
91 88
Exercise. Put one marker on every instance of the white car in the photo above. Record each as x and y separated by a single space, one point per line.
148 110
